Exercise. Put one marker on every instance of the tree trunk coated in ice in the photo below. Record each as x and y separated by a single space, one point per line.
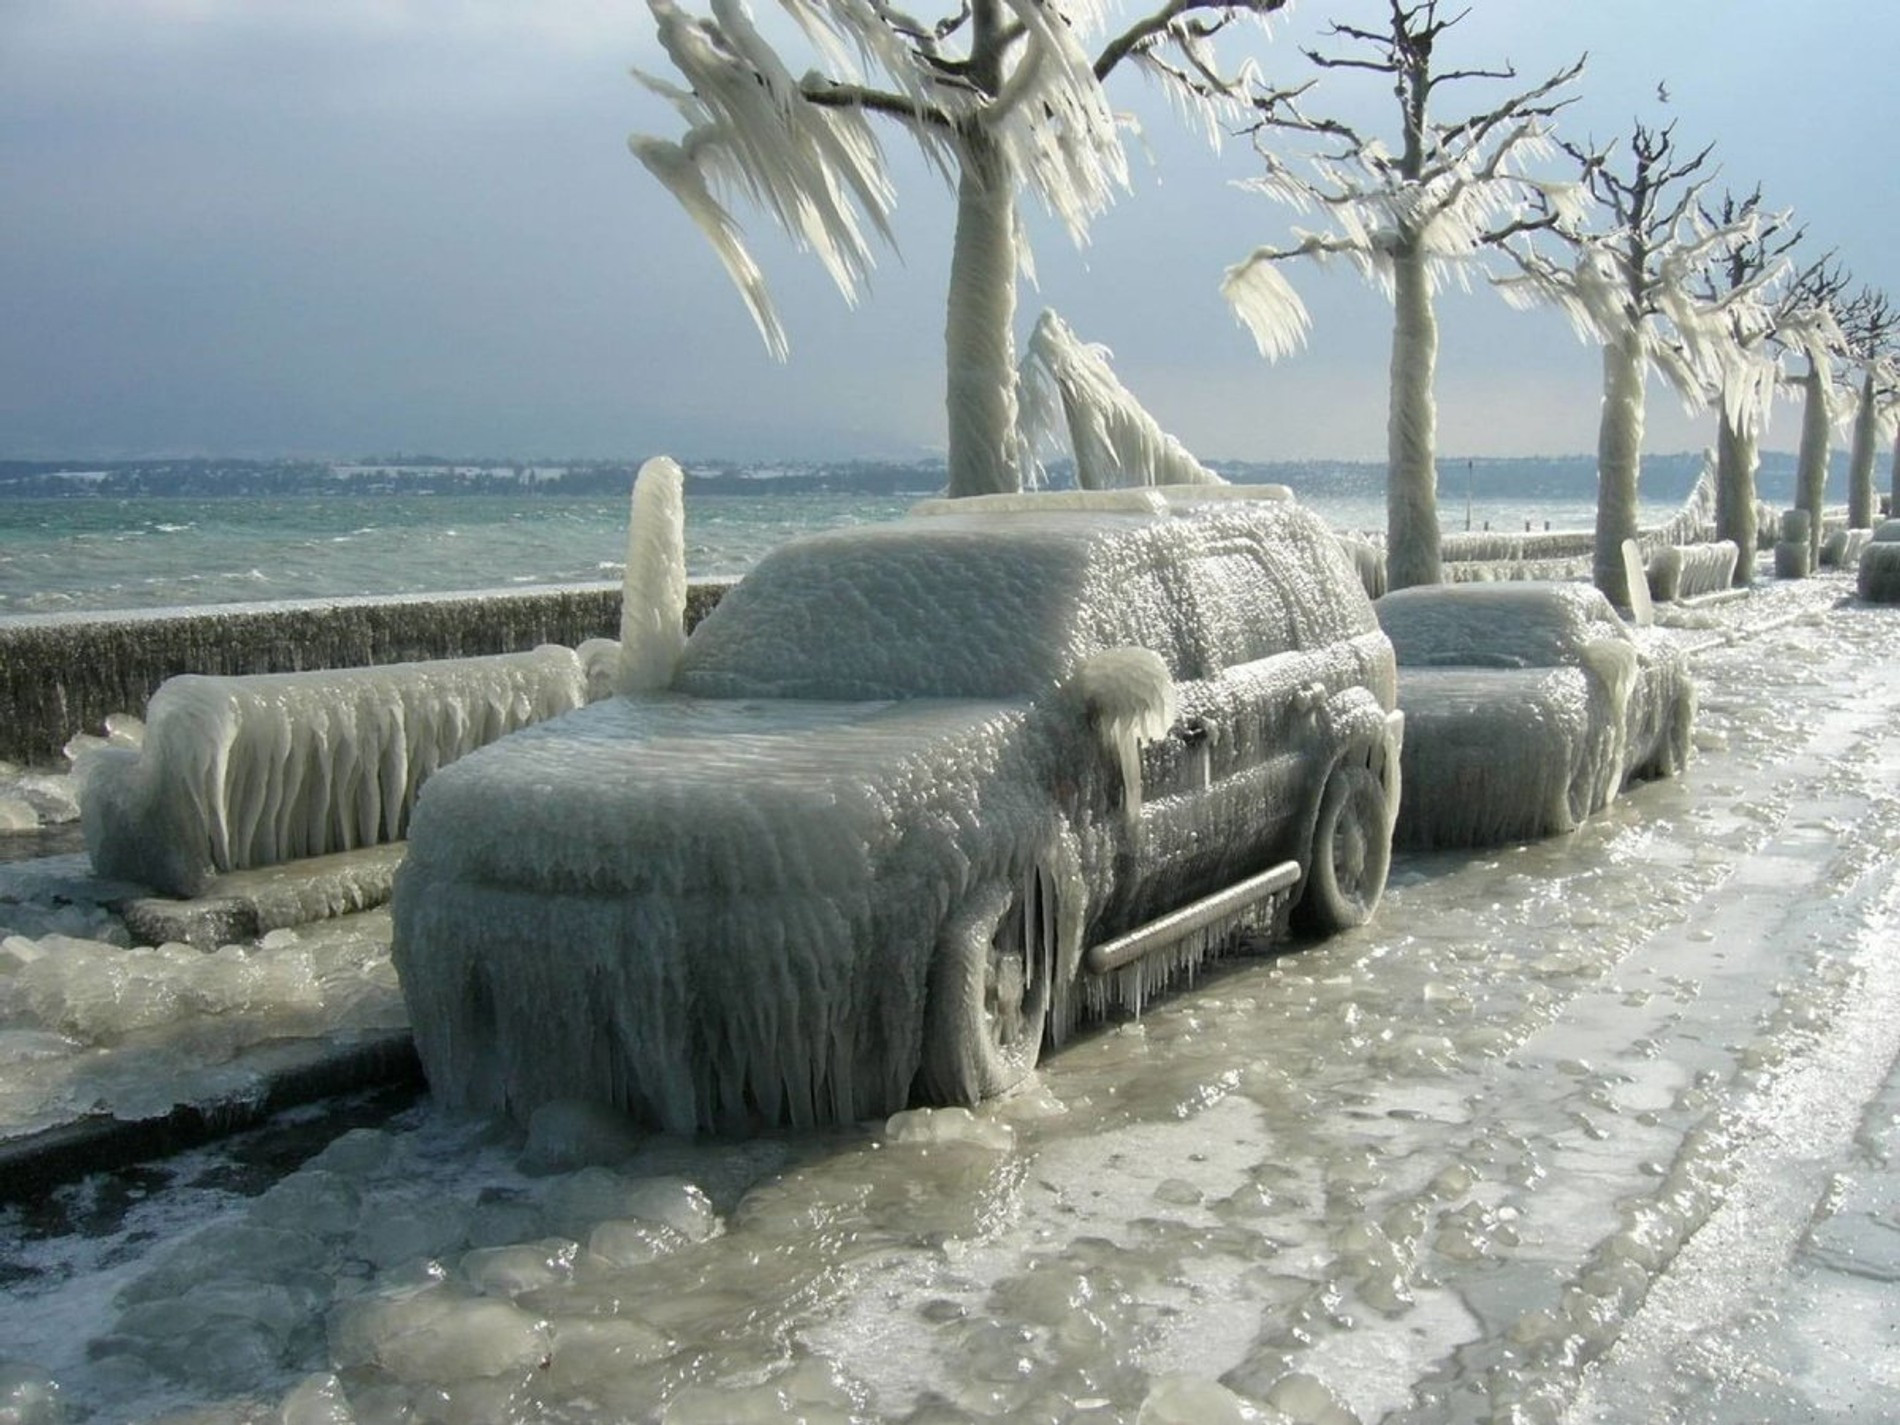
1619 462
1736 459
1893 479
1860 466
1411 488
1810 484
979 344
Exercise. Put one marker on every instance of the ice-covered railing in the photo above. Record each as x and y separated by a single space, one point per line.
237 772
1567 554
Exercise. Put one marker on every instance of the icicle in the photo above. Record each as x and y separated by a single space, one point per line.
1267 306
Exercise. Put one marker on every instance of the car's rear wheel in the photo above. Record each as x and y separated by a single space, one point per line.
1352 852
989 994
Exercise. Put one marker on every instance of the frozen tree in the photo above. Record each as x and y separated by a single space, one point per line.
1818 295
1872 328
1001 97
1633 286
1406 218
1745 287
1068 385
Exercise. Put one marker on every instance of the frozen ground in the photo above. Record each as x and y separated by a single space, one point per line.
1599 1129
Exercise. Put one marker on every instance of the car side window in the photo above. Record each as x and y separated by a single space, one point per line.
1240 607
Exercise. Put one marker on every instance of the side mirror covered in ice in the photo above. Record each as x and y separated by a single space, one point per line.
1129 697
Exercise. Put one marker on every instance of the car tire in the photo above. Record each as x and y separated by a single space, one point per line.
1351 854
988 1005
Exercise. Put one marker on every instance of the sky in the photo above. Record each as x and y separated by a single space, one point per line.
362 227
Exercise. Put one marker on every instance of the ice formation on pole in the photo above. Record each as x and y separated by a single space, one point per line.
653 590
1001 97
759 895
1113 438
237 772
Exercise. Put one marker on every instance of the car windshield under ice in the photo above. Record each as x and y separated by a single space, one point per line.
1499 625
955 608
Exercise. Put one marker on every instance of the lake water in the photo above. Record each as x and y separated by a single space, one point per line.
78 555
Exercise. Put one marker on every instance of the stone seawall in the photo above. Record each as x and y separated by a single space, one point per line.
61 674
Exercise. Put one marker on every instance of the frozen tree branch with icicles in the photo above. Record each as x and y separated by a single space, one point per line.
1002 98
1634 286
1408 220
1068 387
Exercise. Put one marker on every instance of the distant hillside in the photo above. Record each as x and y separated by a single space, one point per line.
1565 477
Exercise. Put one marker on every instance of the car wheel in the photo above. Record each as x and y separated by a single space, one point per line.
1352 852
989 995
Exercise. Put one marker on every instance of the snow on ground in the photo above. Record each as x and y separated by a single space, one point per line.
1595 1129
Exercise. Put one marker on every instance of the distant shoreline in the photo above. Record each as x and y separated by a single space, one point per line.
1571 477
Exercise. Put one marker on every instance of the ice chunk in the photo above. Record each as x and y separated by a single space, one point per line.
314 1200
949 1125
29 1396
575 1204
568 1134
1178 1399
437 1334
251 771
510 1271
632 1243
228 1335
406 1234
317 1400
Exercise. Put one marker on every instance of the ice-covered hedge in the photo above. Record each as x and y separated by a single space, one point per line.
238 772
1878 577
1688 571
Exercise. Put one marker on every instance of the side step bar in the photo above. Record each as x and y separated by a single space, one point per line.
1177 925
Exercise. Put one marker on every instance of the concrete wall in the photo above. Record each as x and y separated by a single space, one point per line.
61 674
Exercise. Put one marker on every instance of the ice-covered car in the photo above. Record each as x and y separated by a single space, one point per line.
914 801
1528 706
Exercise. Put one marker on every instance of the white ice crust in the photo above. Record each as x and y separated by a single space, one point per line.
238 772
722 904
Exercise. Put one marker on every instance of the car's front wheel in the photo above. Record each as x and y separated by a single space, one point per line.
1352 852
989 994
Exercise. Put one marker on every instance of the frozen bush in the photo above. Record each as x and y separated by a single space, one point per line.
1877 578
252 771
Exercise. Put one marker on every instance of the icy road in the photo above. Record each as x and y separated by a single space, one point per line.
1598 1129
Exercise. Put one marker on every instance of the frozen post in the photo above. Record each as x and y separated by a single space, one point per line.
653 590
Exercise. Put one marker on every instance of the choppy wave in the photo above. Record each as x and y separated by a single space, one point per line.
68 556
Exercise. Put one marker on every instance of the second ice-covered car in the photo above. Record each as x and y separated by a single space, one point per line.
906 783
1528 706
